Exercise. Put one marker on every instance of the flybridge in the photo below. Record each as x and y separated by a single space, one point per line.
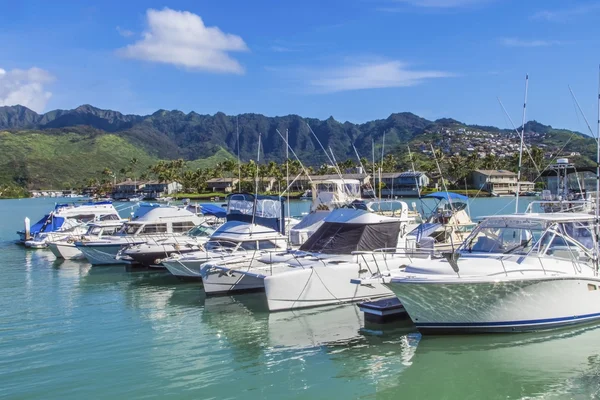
267 211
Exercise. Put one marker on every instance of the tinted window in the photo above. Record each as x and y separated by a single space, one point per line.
266 244
154 228
182 227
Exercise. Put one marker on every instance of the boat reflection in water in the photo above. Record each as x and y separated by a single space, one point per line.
557 364
314 344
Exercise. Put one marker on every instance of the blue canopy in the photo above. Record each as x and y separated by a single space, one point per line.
449 196
211 209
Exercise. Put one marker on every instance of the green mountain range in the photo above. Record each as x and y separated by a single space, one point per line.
63 148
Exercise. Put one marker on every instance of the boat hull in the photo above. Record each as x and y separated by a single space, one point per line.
511 305
65 250
153 259
184 270
319 286
219 282
102 255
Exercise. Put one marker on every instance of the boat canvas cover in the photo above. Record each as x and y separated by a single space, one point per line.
448 196
424 230
344 238
211 209
37 227
270 210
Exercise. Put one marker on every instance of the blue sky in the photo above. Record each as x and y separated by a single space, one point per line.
355 60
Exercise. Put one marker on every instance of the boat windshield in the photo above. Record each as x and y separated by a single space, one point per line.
129 229
503 236
216 245
201 231
568 240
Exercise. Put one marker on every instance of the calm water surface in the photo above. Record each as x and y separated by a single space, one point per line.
69 331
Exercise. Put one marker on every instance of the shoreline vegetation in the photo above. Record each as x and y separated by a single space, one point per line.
455 172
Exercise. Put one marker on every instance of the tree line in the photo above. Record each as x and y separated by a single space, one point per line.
455 169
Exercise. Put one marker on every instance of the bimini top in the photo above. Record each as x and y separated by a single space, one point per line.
449 196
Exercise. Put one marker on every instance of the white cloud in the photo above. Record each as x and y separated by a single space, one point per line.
181 38
25 87
566 14
371 75
515 42
124 32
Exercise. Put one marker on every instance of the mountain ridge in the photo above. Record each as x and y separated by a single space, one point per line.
174 134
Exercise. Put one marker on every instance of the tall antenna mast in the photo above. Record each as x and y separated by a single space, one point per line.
256 179
381 166
597 213
237 131
287 169
521 148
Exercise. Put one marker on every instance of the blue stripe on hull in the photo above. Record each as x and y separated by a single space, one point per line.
504 326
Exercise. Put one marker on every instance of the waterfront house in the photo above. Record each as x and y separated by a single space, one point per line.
408 183
498 181
127 189
223 185
158 189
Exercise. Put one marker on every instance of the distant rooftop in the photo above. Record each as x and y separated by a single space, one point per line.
495 172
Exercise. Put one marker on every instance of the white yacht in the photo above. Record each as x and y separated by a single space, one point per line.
157 222
326 195
66 220
65 248
254 224
151 253
514 273
319 272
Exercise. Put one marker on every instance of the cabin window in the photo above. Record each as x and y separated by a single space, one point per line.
154 228
266 244
84 217
109 230
591 287
182 227
248 245
109 217
94 230
129 229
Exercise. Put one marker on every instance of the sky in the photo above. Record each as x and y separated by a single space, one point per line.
355 60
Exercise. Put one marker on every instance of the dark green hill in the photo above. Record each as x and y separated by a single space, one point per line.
65 146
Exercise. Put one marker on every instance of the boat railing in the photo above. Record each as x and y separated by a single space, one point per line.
380 257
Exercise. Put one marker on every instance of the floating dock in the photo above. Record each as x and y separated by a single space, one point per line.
383 310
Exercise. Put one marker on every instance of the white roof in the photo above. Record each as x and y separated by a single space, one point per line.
161 214
241 231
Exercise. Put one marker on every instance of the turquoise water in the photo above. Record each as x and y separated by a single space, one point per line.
69 331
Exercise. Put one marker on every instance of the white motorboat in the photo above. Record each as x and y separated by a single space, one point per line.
319 272
152 252
65 248
66 220
514 273
255 224
157 222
